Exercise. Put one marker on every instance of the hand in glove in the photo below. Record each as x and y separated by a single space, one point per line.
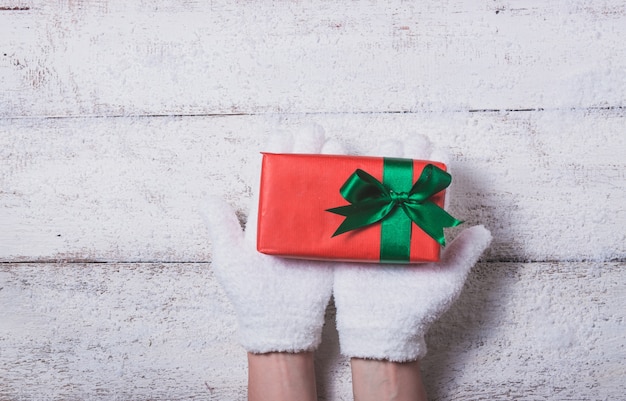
280 303
383 312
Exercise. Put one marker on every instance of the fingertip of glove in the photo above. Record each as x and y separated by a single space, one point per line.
309 139
442 156
418 146
467 246
333 147
313 130
219 218
279 142
214 206
480 236
391 148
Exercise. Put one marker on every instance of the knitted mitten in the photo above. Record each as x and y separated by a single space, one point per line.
279 303
383 312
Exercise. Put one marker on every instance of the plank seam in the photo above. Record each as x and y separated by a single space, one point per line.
516 110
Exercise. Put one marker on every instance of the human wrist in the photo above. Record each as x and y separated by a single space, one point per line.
281 376
376 380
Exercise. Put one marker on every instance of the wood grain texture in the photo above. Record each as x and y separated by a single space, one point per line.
116 332
539 331
107 57
529 97
548 184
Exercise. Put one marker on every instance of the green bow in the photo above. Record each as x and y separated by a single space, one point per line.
372 201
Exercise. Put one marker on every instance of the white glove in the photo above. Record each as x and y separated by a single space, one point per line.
383 312
280 303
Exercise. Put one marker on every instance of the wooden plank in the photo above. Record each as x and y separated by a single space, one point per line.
548 184
116 331
540 331
536 331
107 57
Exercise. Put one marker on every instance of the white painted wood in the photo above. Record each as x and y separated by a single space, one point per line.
116 332
113 57
83 187
539 331
548 184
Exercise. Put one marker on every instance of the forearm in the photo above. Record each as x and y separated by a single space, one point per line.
374 380
279 376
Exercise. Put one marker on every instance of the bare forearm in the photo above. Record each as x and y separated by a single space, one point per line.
279 376
374 380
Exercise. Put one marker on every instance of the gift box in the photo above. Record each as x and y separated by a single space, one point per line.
352 208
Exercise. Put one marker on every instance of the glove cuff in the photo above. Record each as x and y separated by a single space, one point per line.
294 333
369 343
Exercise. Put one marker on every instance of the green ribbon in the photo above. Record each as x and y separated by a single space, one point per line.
372 201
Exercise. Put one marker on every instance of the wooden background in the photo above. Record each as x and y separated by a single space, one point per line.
118 117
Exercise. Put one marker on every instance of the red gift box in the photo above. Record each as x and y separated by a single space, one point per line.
296 193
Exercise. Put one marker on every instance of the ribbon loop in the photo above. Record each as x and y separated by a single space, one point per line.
372 201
